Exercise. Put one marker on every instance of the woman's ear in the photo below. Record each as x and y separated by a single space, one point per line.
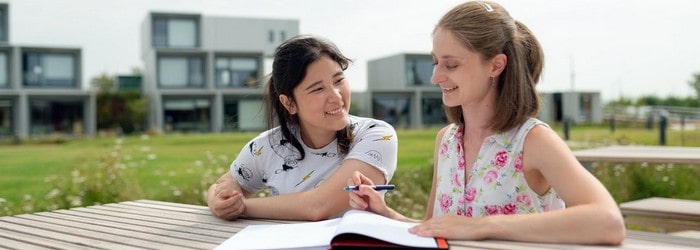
288 104
498 64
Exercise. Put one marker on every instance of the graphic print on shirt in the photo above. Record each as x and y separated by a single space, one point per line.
326 154
254 149
244 172
285 150
290 162
306 177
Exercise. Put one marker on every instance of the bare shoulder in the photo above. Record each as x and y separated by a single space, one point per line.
544 147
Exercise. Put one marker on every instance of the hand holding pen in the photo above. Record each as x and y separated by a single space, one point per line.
375 187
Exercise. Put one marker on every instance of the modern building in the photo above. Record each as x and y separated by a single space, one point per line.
399 91
206 74
577 106
41 91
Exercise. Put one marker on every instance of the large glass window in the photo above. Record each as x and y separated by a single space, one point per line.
393 109
49 69
237 71
187 115
432 111
419 71
243 114
6 118
3 23
49 117
4 70
175 32
180 72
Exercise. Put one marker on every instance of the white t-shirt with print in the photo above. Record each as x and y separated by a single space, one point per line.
269 161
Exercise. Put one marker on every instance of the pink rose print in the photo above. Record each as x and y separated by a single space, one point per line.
445 202
490 176
461 163
470 194
460 211
469 212
443 149
492 209
519 163
501 158
456 180
545 208
523 198
510 208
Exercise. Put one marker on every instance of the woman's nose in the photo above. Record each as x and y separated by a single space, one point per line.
437 76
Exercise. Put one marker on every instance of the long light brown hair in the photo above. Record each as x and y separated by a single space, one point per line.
488 29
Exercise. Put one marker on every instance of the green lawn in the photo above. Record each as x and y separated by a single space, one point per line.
179 167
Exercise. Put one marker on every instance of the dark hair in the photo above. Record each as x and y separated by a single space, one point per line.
289 65
488 29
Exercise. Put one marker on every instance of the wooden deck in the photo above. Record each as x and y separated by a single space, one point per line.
147 224
638 154
664 214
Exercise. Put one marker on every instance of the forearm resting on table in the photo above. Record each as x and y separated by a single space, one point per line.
296 206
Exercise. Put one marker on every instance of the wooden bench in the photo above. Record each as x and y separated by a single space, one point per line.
638 154
662 214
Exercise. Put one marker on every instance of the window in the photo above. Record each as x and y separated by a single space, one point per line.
433 113
237 72
243 115
271 36
3 23
175 32
4 70
419 71
180 72
49 69
49 117
392 109
187 115
283 36
5 118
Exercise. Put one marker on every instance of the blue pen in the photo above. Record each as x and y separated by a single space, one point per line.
376 187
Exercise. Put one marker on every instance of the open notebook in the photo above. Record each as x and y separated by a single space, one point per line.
356 229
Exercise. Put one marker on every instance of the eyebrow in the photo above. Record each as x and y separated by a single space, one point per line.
339 73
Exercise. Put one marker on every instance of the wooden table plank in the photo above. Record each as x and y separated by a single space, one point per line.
103 211
30 230
145 224
171 232
663 207
640 154
139 237
217 231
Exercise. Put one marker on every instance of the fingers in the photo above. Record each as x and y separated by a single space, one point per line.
228 204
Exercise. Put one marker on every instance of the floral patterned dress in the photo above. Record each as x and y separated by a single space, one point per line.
496 183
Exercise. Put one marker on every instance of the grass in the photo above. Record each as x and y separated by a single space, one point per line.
179 167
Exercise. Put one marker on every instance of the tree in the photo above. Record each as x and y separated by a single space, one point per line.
695 84
124 111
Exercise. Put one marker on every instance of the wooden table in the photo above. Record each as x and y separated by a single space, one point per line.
147 224
664 213
639 154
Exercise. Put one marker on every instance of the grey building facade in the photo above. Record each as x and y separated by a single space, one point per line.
399 91
206 74
41 90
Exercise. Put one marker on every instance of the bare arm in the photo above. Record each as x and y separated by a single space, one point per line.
370 200
590 212
225 197
320 203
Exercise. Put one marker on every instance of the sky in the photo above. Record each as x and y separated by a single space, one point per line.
627 48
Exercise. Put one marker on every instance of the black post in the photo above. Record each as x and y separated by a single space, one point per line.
612 123
566 129
662 130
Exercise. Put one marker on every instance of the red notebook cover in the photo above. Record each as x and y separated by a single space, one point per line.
355 241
